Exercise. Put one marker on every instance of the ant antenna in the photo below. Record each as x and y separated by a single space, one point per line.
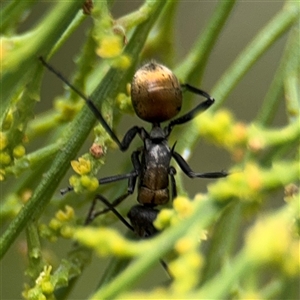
88 101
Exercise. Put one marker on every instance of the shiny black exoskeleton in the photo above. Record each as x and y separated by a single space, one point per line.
156 97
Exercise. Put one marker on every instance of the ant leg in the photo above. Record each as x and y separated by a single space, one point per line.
90 217
194 112
172 172
132 176
104 180
130 135
190 173
110 206
196 91
136 164
165 266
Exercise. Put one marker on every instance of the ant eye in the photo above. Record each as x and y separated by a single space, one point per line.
156 93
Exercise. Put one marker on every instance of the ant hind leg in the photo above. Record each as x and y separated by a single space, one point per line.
110 207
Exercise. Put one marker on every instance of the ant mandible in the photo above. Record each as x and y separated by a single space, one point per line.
156 96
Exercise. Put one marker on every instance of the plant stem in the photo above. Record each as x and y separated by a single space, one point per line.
193 66
267 37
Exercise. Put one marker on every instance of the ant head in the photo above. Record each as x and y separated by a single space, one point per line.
155 93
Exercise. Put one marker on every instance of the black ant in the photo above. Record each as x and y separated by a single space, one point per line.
156 96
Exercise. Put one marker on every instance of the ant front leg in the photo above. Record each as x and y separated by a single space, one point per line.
130 135
194 112
190 173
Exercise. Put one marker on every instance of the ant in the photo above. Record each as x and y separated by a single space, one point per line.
156 96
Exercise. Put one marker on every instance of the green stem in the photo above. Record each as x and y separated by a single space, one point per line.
35 258
76 22
291 86
289 65
193 66
12 11
20 64
41 124
161 42
267 37
225 280
34 159
137 17
222 242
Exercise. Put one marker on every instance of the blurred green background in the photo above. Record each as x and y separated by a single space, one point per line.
246 20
